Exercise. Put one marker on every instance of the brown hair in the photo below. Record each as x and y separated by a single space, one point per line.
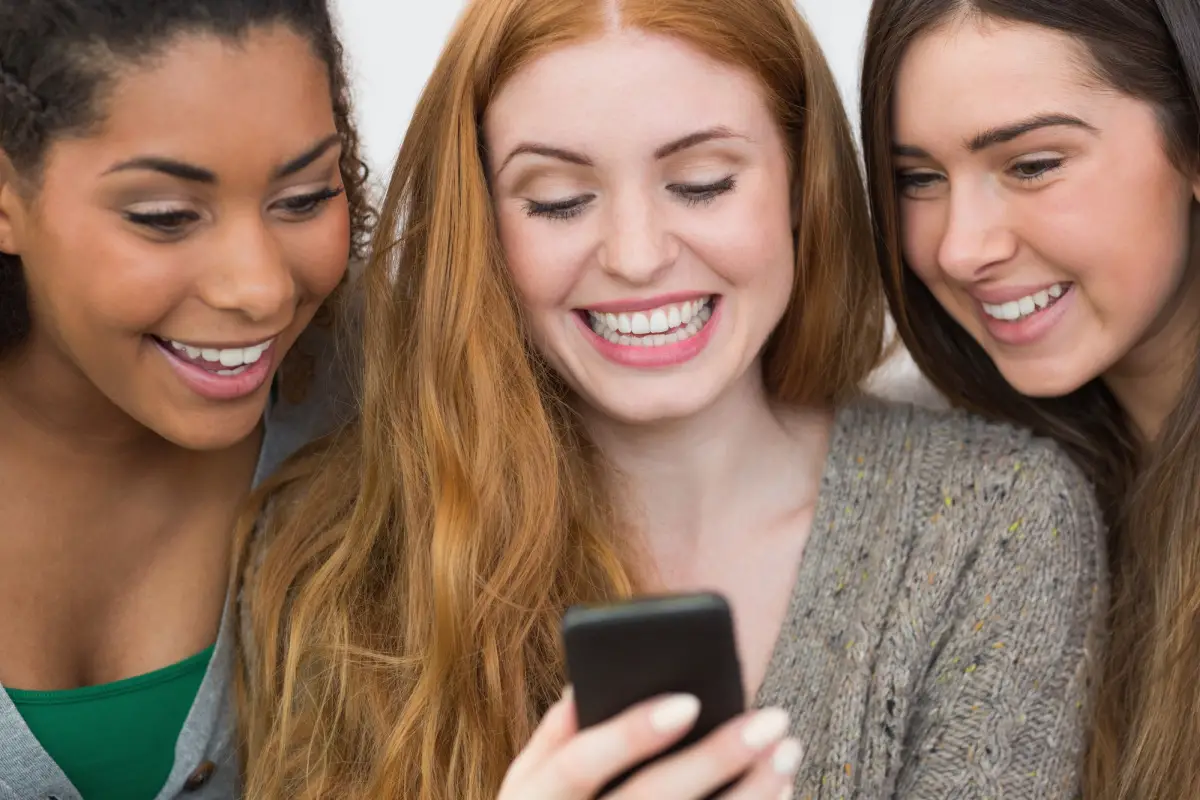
411 573
1147 725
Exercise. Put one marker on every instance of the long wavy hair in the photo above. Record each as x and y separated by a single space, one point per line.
1147 726
404 586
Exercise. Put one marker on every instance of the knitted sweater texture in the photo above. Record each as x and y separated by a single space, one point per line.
943 632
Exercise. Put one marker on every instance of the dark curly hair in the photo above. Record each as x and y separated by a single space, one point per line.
58 60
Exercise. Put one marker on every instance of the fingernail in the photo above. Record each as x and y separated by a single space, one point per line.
764 728
786 794
786 759
568 694
674 713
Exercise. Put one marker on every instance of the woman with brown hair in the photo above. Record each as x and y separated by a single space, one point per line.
1034 170
614 335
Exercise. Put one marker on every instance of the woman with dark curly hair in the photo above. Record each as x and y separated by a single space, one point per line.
180 195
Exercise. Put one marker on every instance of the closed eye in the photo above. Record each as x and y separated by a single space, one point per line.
698 194
1036 169
692 194
913 181
307 205
173 222
163 222
559 209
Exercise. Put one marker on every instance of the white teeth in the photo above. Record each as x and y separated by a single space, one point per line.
1030 304
233 358
192 352
654 328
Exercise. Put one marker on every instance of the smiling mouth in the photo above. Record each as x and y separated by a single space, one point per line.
655 327
1017 310
226 361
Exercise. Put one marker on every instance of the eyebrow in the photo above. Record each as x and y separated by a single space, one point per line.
669 149
694 139
1004 133
195 174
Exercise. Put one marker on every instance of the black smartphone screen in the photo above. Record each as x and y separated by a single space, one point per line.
621 654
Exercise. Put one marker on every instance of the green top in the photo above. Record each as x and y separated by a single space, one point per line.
116 741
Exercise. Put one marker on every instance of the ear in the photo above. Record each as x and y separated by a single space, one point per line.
11 207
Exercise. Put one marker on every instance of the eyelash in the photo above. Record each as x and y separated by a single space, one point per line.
692 195
916 181
1044 167
169 222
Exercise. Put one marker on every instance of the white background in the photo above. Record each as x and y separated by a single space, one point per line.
392 46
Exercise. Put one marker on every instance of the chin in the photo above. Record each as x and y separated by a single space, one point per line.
197 433
643 410
1044 383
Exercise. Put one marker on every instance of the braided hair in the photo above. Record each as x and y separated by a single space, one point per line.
20 95
58 60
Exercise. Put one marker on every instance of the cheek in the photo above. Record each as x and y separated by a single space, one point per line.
544 258
920 238
748 240
1123 238
317 251
87 266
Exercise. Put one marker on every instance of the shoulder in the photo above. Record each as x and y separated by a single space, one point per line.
992 597
954 447
970 483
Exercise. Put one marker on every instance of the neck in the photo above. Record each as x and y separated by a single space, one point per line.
1149 381
690 484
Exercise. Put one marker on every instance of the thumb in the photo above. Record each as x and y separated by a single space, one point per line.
555 730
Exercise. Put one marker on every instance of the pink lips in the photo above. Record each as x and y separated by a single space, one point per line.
1028 330
659 356
646 303
213 386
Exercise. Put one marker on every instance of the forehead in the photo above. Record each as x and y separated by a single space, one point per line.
215 102
623 88
974 74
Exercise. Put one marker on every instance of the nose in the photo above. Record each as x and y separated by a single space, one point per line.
977 235
637 247
247 273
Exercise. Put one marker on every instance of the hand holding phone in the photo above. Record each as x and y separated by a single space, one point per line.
656 712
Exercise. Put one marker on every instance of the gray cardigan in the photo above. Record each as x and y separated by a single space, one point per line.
943 633
206 753
947 614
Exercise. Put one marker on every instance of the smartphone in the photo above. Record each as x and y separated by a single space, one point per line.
621 654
